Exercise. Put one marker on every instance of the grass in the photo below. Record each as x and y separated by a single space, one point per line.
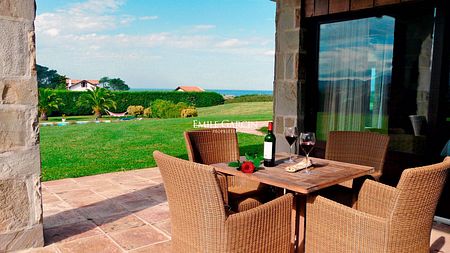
250 98
263 130
263 109
81 150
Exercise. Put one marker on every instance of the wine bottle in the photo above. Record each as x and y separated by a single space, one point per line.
269 147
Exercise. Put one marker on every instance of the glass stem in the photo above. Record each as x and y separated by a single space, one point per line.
290 153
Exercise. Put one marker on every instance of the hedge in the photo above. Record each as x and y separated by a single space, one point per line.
164 109
250 98
144 98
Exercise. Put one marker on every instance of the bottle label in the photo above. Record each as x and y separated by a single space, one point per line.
268 150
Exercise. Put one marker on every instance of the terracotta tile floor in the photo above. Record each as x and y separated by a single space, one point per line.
122 212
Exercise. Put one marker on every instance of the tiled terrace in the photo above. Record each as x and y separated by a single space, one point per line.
122 212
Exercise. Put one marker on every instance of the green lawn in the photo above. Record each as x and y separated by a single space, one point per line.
262 109
81 150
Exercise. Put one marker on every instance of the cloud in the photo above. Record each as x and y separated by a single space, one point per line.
338 63
83 17
53 32
204 27
75 23
148 18
231 43
269 53
86 38
92 24
97 6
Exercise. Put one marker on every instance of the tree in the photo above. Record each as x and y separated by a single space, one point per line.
113 83
98 99
49 78
48 101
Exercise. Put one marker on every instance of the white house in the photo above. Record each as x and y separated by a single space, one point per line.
81 85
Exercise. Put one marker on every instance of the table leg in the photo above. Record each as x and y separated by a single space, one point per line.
300 220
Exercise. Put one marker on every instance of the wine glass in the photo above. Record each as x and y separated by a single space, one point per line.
291 134
307 142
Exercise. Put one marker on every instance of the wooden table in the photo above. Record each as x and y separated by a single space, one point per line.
325 173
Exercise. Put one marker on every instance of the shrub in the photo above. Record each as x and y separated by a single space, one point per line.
250 98
135 110
124 99
146 98
189 112
148 112
166 109
48 101
98 99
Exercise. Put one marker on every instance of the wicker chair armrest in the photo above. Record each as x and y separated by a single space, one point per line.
376 198
266 228
332 227
223 184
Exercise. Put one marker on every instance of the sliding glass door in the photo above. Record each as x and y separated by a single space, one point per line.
354 75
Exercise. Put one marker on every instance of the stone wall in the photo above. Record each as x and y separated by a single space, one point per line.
20 197
286 84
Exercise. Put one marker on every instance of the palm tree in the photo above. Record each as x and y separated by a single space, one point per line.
48 101
98 99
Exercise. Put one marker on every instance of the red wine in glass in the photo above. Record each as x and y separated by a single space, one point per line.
307 142
307 147
291 135
291 139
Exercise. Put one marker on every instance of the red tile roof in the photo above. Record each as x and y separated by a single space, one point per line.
74 81
189 88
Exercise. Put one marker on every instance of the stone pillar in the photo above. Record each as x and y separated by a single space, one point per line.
20 193
286 84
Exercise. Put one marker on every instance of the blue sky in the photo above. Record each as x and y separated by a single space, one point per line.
216 44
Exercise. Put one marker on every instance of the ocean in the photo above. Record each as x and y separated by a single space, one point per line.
222 92
243 92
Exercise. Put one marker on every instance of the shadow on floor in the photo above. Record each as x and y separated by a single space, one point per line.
101 213
437 245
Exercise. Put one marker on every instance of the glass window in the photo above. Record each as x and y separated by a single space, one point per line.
411 81
355 70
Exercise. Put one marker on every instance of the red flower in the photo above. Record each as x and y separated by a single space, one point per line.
247 167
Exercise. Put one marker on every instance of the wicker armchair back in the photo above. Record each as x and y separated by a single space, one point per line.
199 221
364 148
216 145
386 219
196 206
419 190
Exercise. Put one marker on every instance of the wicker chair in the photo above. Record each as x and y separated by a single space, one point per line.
386 219
209 146
199 219
363 148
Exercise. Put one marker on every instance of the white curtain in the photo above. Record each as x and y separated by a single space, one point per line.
354 65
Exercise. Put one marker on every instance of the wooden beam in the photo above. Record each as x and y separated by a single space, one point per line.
321 7
337 6
361 4
385 2
309 8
